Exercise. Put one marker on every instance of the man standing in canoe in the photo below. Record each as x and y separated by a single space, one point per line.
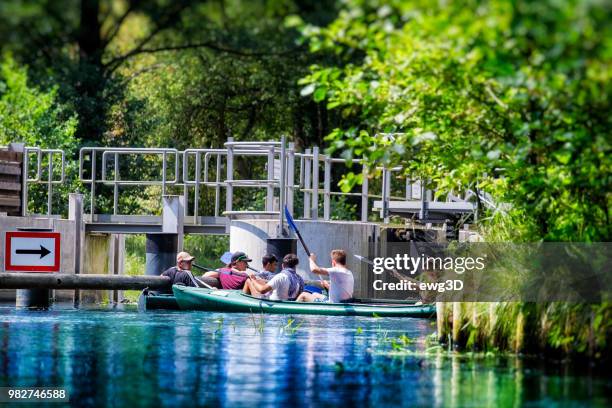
341 282
234 276
285 285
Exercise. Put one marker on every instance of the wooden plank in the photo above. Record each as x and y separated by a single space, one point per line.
11 156
10 179
11 211
11 164
4 185
10 201
13 169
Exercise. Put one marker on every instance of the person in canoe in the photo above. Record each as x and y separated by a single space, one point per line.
232 276
269 263
341 282
285 285
181 273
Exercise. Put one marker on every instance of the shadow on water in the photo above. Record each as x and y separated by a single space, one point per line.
125 358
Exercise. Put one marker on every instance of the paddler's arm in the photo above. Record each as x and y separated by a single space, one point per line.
259 286
314 268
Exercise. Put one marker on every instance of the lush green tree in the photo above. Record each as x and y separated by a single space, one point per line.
31 115
227 66
512 97
78 41
35 117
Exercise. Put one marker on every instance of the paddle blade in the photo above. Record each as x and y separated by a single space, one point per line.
363 259
290 220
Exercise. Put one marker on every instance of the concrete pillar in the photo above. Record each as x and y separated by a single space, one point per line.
161 252
32 298
252 235
75 213
117 263
173 217
280 247
96 260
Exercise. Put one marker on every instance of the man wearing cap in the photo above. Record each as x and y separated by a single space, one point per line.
181 273
234 276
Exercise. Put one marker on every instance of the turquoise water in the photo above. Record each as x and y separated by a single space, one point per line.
165 358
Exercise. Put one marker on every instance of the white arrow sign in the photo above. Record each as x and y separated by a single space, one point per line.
32 251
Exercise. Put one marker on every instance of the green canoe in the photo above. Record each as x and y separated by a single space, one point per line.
189 298
150 300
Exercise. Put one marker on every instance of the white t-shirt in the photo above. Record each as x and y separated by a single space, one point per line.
280 283
341 284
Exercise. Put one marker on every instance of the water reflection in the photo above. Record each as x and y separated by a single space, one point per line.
124 358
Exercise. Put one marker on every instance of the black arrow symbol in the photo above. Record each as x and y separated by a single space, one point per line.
42 251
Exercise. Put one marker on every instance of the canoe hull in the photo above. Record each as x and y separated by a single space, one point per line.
149 301
233 301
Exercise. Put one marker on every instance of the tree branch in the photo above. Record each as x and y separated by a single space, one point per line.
170 18
108 37
207 44
143 71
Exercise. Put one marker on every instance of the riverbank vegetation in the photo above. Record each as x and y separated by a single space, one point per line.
510 99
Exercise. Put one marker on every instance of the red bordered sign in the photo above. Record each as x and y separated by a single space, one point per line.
32 251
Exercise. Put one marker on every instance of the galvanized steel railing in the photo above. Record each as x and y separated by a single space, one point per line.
191 169
49 181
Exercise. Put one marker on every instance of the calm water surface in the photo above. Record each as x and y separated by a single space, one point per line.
124 358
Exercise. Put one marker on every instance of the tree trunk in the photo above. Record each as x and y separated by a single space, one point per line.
91 82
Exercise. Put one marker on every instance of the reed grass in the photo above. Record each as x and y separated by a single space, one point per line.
553 329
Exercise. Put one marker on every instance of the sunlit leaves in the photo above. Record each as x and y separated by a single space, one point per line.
479 91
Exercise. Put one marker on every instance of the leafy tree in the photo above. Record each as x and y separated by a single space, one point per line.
78 39
510 97
35 117
94 49
31 115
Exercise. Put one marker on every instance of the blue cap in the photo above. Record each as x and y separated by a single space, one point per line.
226 258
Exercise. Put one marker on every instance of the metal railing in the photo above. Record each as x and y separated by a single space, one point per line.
117 181
49 181
287 173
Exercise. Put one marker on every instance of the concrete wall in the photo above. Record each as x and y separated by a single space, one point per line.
98 254
97 260
67 245
321 237
64 227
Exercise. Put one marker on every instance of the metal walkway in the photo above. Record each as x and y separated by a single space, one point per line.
206 177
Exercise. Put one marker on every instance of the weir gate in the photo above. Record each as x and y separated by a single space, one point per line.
197 191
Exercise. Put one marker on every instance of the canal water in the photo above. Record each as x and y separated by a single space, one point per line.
124 358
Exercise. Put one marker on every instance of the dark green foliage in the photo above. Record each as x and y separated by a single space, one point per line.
509 97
